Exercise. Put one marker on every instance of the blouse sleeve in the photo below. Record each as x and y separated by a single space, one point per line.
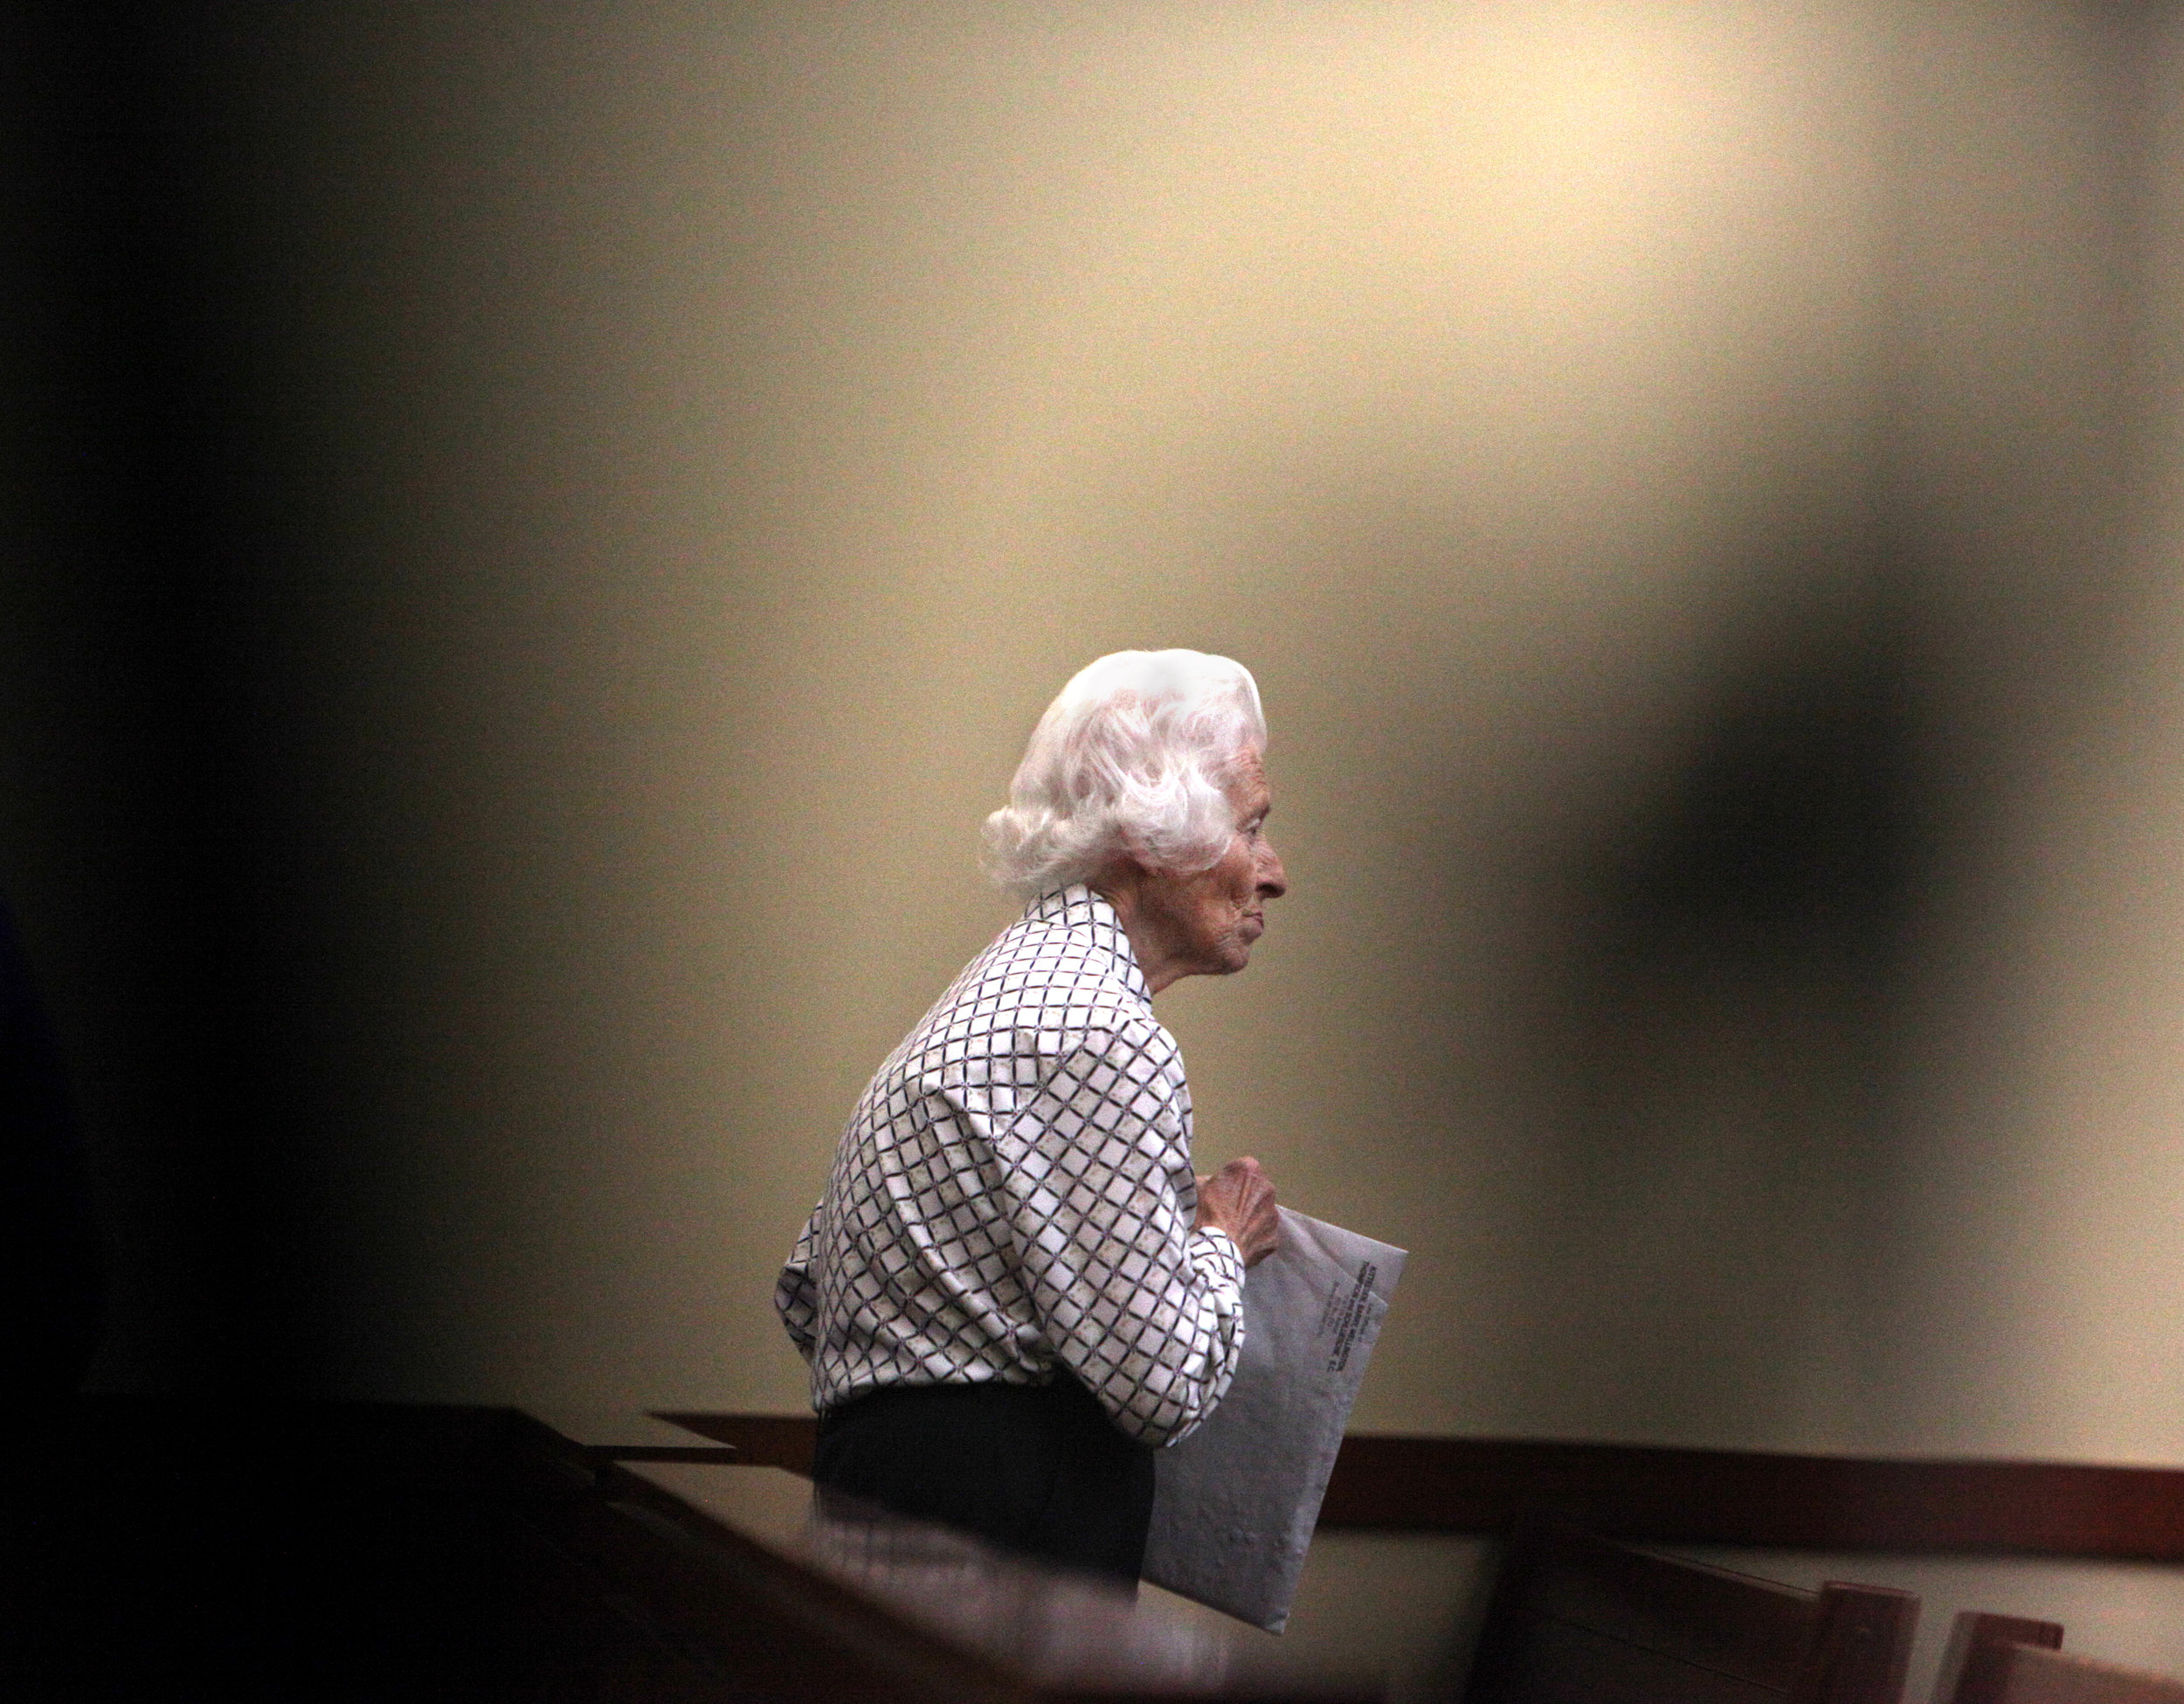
1096 1182
795 1294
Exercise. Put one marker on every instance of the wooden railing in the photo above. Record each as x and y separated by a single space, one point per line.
1761 1499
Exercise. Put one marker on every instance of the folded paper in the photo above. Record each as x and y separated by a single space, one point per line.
1238 1498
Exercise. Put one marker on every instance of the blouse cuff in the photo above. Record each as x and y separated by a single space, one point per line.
1221 1263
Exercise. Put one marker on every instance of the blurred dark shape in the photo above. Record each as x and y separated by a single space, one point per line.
1706 997
52 1290
1794 817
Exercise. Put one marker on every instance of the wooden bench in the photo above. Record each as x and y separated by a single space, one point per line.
1576 1619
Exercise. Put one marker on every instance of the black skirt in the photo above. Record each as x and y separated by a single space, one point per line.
1039 1469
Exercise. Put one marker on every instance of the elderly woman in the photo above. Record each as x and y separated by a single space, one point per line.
1014 1289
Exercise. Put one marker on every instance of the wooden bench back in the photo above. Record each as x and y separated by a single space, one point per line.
2007 1660
1576 1619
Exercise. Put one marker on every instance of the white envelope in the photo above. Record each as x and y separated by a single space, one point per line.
1238 1498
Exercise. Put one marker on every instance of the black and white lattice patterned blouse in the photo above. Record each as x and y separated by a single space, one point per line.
1015 1191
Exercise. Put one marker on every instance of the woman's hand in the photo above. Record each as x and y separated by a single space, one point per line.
1238 1199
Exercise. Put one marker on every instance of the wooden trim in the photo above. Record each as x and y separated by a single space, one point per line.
1480 1485
760 1440
594 1440
1760 1498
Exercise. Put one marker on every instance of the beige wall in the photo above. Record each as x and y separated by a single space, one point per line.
1670 468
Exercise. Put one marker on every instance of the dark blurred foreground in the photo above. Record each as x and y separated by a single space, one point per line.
371 1551
156 1549
161 1551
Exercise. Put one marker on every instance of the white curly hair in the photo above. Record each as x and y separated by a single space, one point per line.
1131 758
